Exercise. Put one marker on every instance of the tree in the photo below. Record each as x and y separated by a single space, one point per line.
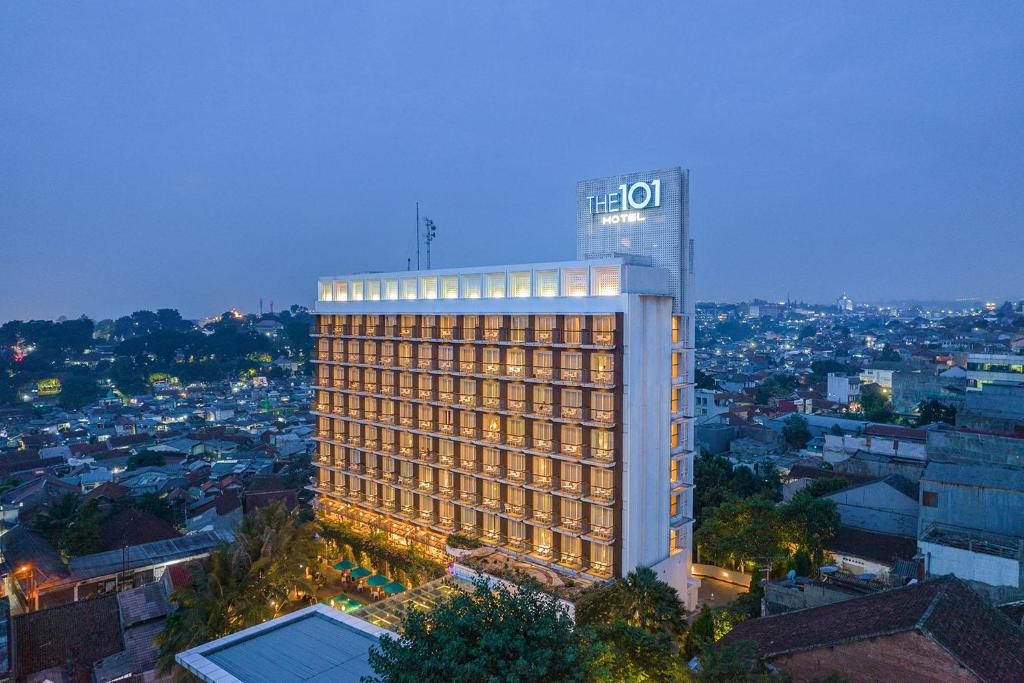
704 380
809 523
741 530
733 663
875 404
77 391
826 485
709 626
145 459
836 430
795 431
491 634
639 599
934 410
889 353
256 578
808 331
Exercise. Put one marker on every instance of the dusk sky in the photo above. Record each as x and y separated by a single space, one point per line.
200 155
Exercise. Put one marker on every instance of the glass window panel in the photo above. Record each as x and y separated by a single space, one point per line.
605 280
574 281
408 288
449 286
519 283
546 283
390 289
373 290
495 285
428 287
471 287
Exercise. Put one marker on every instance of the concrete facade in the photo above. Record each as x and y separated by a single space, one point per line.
879 506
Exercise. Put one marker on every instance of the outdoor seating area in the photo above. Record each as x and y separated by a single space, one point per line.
390 612
365 583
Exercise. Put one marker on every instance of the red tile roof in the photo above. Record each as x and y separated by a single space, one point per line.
109 490
135 527
944 610
79 632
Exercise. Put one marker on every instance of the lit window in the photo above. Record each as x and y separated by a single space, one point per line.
391 290
495 285
340 290
574 281
546 282
373 290
408 288
428 287
326 290
355 290
471 287
605 280
519 284
449 286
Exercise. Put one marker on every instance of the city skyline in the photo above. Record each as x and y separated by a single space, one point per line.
198 158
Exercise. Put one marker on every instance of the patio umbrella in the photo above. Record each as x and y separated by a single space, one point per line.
359 573
345 565
377 580
352 605
394 587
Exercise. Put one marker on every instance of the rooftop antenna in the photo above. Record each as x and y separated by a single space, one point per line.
429 235
417 235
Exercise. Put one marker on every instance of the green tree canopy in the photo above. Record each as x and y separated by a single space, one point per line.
795 431
490 634
741 530
933 410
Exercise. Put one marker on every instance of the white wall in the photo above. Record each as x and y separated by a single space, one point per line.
990 569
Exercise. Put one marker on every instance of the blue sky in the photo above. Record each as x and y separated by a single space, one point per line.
201 155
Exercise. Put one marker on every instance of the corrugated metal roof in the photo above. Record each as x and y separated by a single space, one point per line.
314 645
158 552
985 476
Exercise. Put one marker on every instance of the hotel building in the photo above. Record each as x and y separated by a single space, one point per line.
544 408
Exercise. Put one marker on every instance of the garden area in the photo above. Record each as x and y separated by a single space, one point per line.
362 569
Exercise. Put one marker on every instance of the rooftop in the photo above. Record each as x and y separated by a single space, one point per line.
317 644
607 277
945 610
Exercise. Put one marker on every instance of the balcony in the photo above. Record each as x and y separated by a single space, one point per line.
426 486
515 543
541 481
491 402
543 409
571 413
323 434
407 511
491 369
571 561
467 399
516 406
603 338
492 504
445 428
543 372
600 493
355 467
405 392
445 491
516 476
570 487
425 394
323 407
406 421
515 510
492 471
571 525
604 533
468 465
542 444
407 481
445 460
570 375
469 497
542 552
427 517
543 336
387 389
446 396
389 476
425 364
446 523
448 333
387 361
602 415
406 331
469 432
573 449
426 425
446 365
469 366
515 370
492 435
405 361
493 335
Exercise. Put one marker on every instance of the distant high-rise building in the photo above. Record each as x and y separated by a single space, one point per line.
545 409
844 304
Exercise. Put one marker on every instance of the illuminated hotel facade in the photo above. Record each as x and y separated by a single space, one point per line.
545 409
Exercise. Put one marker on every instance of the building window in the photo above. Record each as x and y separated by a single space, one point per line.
574 281
471 288
495 285
449 286
605 280
546 282
519 284
356 290
373 290
326 290
428 287
409 288
930 499
390 289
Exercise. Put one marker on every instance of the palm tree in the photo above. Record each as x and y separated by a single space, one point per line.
243 584
640 599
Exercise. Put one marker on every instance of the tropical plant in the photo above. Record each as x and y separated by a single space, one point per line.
494 633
